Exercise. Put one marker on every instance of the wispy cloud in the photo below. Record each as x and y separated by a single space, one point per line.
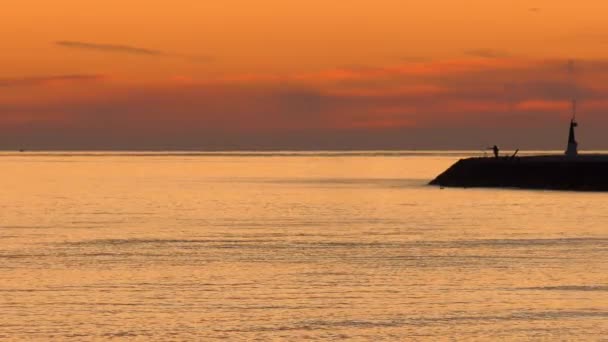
109 48
414 59
126 49
487 53
40 80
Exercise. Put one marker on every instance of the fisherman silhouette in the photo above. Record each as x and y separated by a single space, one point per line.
496 150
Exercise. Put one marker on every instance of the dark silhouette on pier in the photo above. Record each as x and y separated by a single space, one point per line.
496 150
572 148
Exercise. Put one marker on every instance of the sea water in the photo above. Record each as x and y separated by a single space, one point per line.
291 246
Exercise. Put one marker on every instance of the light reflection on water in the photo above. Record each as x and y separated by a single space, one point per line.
286 247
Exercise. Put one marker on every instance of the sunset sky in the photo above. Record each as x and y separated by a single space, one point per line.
314 74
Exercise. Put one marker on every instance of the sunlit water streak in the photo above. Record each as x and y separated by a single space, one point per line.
287 246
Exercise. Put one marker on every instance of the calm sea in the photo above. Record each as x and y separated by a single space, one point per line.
291 246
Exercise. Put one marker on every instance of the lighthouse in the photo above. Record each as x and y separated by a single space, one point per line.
572 149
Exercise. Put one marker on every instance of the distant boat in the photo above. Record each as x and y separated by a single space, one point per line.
570 171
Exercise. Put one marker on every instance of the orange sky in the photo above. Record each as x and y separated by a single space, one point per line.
300 74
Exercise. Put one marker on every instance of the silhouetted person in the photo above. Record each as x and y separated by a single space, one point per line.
496 150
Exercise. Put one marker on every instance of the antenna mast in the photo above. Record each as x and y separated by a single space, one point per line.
572 147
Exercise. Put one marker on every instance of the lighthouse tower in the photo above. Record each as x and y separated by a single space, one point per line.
572 149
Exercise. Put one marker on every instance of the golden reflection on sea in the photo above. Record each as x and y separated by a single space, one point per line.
158 247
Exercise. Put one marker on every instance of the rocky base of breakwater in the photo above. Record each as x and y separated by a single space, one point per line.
580 173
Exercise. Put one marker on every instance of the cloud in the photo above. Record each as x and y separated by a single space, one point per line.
487 53
462 103
126 49
414 59
109 48
40 80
